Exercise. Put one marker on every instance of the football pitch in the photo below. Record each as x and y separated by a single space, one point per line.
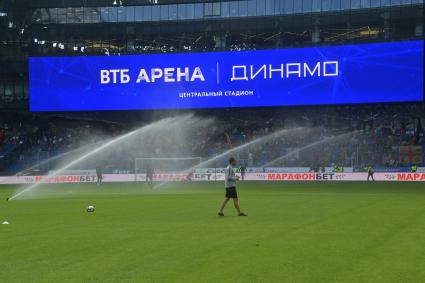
295 232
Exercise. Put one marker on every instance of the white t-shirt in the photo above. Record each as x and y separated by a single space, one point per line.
229 177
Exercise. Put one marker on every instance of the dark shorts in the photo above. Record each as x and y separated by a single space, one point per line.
231 192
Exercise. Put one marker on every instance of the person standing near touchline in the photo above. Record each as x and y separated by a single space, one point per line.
230 179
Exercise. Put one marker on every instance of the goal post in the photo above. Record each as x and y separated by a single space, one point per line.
163 165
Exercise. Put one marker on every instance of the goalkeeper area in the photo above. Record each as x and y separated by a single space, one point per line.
144 166
295 232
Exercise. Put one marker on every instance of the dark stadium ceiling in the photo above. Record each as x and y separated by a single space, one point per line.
12 4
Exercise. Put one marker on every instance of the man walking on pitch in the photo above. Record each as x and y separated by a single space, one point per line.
243 171
149 174
370 172
230 179
99 175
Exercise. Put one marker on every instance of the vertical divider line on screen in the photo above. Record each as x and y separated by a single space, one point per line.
218 73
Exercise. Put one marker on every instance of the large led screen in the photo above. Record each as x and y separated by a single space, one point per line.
362 73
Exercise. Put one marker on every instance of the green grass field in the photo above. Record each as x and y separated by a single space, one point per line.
295 232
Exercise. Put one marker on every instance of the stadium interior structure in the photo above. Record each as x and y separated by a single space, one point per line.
391 134
101 183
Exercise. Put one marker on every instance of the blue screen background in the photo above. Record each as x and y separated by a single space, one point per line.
369 73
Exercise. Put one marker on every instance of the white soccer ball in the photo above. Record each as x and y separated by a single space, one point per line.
90 208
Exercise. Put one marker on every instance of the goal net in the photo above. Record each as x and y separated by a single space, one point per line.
164 165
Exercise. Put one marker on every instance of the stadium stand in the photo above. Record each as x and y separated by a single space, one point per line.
388 136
